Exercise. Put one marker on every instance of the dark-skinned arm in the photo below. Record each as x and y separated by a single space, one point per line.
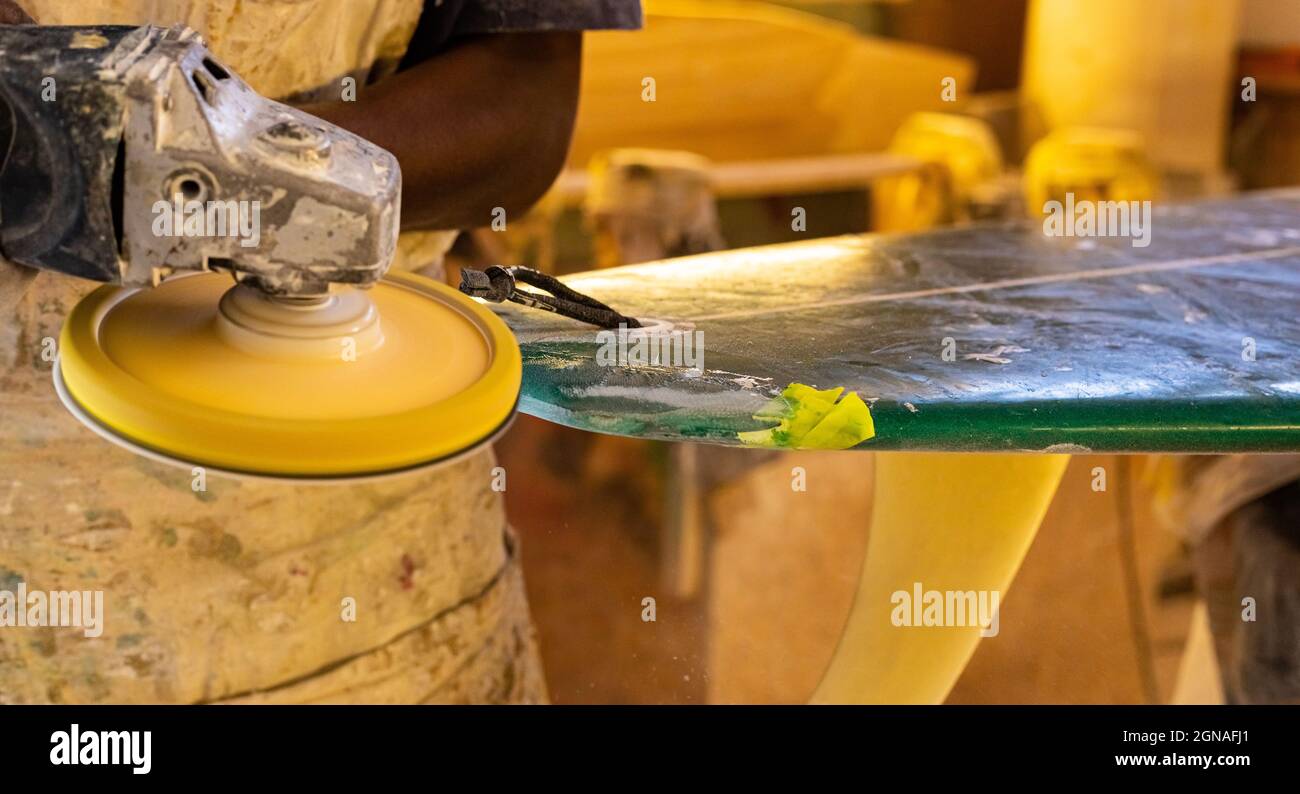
12 14
485 124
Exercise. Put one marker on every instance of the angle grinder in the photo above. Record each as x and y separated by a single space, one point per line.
248 322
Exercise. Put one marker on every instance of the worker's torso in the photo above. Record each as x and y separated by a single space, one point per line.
270 561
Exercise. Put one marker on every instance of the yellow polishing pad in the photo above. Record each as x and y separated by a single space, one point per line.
362 382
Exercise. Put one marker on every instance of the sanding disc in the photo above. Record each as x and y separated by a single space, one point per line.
363 382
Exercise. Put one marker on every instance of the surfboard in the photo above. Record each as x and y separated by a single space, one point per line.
987 337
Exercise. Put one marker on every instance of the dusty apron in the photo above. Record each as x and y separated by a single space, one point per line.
408 590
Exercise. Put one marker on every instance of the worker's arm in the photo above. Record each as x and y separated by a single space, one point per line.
13 14
484 124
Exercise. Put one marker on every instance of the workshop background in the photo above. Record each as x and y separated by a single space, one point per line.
870 116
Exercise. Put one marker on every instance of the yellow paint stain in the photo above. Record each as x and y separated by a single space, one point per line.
808 418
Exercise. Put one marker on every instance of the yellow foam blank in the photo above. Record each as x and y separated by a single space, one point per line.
953 522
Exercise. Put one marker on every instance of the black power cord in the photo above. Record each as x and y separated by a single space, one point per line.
498 284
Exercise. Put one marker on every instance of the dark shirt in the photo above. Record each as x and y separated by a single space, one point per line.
445 20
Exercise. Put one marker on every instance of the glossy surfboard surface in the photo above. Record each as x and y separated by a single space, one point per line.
980 338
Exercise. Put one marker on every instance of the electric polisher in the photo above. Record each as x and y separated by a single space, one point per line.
248 322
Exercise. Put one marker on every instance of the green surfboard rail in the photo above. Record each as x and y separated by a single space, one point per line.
990 337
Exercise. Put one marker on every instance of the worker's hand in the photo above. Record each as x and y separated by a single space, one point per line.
12 14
